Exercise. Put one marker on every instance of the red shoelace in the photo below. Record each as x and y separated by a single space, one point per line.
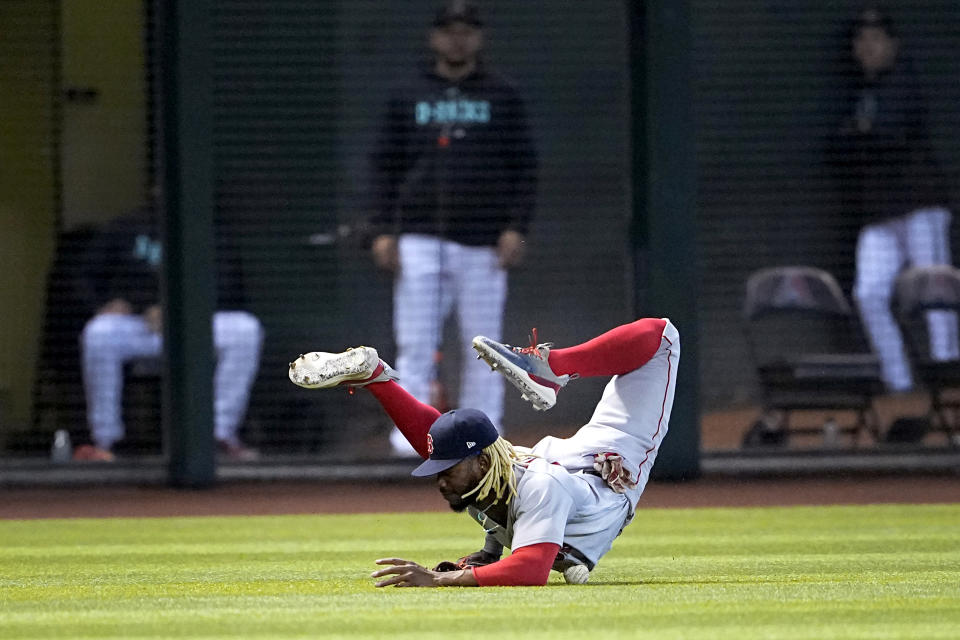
532 349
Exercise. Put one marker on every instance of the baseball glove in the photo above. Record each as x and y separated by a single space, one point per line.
475 559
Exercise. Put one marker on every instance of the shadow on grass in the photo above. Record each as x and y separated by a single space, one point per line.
682 582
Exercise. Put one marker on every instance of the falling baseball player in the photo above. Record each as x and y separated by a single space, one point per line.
558 505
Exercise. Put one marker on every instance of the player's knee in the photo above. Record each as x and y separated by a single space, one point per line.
872 296
100 331
250 327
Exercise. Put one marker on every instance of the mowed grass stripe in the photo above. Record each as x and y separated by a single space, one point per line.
887 571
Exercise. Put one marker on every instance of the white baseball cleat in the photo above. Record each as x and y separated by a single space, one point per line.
526 368
355 367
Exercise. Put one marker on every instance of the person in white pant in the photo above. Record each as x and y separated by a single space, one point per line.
889 177
559 505
120 280
454 178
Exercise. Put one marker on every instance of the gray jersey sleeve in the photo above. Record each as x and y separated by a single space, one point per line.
543 506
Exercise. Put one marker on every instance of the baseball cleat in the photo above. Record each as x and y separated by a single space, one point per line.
356 367
526 368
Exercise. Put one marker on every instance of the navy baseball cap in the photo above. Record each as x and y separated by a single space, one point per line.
458 11
455 436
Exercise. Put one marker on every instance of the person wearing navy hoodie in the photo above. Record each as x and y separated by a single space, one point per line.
454 171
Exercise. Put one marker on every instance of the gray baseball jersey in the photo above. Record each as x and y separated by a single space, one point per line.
554 505
559 499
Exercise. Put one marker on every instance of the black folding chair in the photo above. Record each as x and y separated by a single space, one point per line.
805 343
919 291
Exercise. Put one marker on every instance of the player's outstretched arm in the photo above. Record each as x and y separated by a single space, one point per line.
405 573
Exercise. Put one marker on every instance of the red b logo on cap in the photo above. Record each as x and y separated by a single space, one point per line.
429 444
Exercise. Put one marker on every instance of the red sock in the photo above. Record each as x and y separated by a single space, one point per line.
412 417
616 352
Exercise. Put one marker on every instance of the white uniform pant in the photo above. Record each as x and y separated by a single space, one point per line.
631 418
920 238
438 277
109 341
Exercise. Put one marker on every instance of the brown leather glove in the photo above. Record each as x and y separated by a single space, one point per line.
475 559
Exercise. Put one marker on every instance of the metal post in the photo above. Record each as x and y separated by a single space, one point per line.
664 165
188 283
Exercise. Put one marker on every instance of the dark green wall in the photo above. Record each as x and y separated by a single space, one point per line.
297 96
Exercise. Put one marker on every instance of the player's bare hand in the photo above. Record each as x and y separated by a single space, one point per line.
153 315
404 573
117 305
385 253
511 248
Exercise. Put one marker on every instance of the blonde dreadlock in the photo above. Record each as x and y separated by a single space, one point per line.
500 477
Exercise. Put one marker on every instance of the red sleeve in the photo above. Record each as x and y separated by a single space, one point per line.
525 567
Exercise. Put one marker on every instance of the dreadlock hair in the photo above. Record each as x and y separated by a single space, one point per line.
500 478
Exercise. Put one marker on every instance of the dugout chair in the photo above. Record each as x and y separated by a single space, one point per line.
805 343
921 290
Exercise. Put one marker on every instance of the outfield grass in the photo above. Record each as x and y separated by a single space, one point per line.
804 572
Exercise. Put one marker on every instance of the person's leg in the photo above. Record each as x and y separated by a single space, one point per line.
361 367
107 342
411 417
615 352
237 339
633 414
417 318
540 372
481 292
928 243
879 259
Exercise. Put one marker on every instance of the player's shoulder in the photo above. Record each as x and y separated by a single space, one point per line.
540 472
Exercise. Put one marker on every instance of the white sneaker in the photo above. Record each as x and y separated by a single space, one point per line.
355 367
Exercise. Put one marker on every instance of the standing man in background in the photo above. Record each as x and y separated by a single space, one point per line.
889 178
455 181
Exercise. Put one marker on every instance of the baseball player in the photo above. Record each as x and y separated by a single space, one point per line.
558 505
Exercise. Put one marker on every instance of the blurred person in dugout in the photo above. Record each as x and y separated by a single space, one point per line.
120 283
454 173
889 178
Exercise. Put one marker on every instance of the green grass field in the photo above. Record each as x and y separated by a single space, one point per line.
803 572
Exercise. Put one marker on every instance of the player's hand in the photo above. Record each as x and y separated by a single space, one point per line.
117 305
404 574
511 247
153 315
385 253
